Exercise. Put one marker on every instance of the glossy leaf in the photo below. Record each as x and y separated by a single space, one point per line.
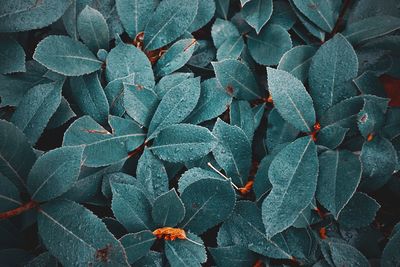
371 118
168 209
137 245
257 13
93 29
169 81
13 56
331 136
63 114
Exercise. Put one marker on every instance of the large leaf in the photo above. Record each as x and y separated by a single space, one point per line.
291 99
93 29
189 252
170 20
137 245
80 242
9 195
168 209
293 175
66 56
257 13
342 254
13 56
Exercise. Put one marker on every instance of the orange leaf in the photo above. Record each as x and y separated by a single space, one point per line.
169 233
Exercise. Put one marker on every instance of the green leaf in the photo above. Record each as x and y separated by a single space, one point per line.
291 99
175 106
332 69
297 61
36 108
134 15
371 118
233 151
223 30
372 27
235 255
170 20
187 252
222 8
391 128
168 209
102 147
66 56
80 242
262 186
93 29
283 15
296 166
269 45
339 175
168 82
13 56
205 13
46 183
183 142
279 131
131 207
308 25
331 136
89 96
342 254
231 48
257 13
208 202
9 195
175 57
63 114
390 255
137 245
241 115
22 15
236 77
360 211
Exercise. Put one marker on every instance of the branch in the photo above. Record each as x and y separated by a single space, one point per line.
25 207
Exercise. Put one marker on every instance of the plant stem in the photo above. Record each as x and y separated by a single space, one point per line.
25 207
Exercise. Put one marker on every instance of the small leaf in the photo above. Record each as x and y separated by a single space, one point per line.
205 13
93 29
390 255
183 142
309 26
189 252
66 56
342 254
291 99
223 30
9 195
137 245
168 209
283 15
13 56
257 13
46 183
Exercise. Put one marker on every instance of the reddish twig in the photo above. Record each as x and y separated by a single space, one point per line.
25 207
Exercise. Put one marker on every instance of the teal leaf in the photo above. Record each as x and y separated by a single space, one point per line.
21 15
372 27
390 255
269 45
137 245
89 96
131 207
102 147
9 195
371 118
257 13
283 15
222 8
115 91
183 142
235 255
208 202
262 186
193 175
342 254
134 15
339 175
170 81
236 77
168 209
46 183
170 20
291 99
93 29
231 48
223 30
241 115
308 25
175 57
78 242
13 56
187 252
151 259
175 106
296 166
44 259
66 56
332 69
391 128
69 18
297 61
279 131
205 13
14 149
63 114
331 136
233 151
36 108
360 211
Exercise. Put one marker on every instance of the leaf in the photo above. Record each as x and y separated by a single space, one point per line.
46 183
195 174
231 48
222 8
205 13
21 15
257 13
296 166
232 256
269 45
183 142
131 207
368 28
343 254
13 56
390 255
208 202
9 195
140 10
262 186
332 68
223 30
89 96
331 136
78 242
36 108
233 151
175 106
291 99
63 114
360 211
44 259
339 175
66 56
102 147
93 29
169 81
241 115
371 118
151 259
168 209
175 57
237 79
283 15
297 61
170 20
137 245
189 252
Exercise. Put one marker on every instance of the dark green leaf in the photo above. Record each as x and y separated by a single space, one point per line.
9 195
231 48
257 13
63 114
342 254
168 209
237 256
168 82
241 115
331 136
188 252
371 118
93 29
390 256
223 30
12 56
205 12
137 245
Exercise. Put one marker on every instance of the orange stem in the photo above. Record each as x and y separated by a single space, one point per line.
25 207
